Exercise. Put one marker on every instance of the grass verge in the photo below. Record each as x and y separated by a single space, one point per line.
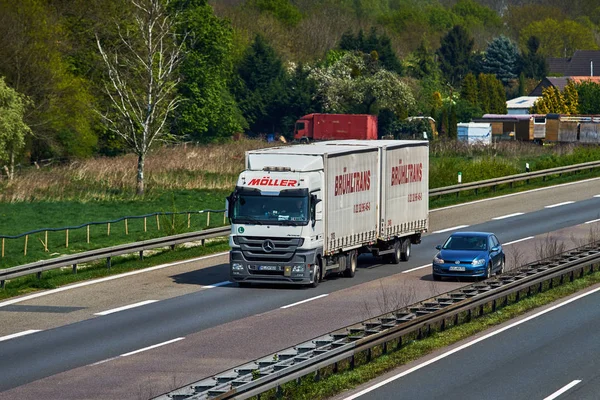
331 384
60 277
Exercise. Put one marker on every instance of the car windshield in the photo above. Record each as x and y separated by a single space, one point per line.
279 210
465 243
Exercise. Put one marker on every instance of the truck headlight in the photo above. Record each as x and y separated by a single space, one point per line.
478 263
298 268
237 267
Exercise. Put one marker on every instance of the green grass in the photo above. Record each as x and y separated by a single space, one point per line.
332 384
60 277
17 218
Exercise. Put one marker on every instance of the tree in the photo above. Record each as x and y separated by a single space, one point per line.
589 97
354 85
422 63
12 127
381 44
260 87
142 80
491 95
455 53
208 111
452 123
555 101
502 59
468 89
533 64
573 36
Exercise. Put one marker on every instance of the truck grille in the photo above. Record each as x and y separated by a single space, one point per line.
257 248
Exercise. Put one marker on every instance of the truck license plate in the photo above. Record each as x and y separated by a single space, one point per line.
267 267
457 268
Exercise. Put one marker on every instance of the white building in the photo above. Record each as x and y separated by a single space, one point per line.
520 105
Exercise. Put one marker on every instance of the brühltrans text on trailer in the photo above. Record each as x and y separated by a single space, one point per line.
303 211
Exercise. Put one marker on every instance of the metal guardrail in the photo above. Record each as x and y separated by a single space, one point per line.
139 247
388 330
512 178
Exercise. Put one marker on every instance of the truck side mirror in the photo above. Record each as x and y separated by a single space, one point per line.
229 200
319 211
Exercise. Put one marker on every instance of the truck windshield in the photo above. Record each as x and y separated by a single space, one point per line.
274 210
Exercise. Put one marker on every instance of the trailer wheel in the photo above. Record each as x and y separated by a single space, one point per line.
316 276
351 263
405 255
396 256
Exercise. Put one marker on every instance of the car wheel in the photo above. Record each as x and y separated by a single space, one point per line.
351 262
405 255
436 277
488 271
316 276
501 270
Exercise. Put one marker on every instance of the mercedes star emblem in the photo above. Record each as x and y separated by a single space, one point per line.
268 246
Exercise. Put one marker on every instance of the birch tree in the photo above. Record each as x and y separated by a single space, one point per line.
142 79
12 128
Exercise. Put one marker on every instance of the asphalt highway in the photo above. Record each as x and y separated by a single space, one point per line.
549 354
143 334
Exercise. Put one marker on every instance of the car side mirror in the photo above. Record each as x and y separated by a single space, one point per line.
495 248
438 247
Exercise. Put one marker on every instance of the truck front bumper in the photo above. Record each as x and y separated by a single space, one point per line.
299 270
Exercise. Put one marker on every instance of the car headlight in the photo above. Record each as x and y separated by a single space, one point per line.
298 268
437 260
237 267
478 263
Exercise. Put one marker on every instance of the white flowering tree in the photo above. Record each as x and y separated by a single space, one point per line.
354 83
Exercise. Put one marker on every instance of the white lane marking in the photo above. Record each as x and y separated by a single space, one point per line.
414 269
15 335
509 215
519 240
114 310
139 351
305 301
108 278
214 285
564 203
469 344
592 221
451 229
598 195
152 347
514 194
561 391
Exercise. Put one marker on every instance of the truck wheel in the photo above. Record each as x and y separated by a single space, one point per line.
397 254
351 262
405 255
316 276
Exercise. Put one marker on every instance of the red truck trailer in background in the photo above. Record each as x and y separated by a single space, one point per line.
336 126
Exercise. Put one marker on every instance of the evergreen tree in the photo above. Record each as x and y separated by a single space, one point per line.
452 124
555 101
533 64
491 94
588 94
423 63
260 88
502 59
455 54
468 89
373 42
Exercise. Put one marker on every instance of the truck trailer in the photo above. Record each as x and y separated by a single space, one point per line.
335 126
303 211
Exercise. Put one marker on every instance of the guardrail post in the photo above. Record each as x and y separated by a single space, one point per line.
39 275
443 325
352 361
224 218
2 247
399 344
572 276
126 227
141 255
278 392
25 249
108 262
74 268
157 223
46 241
108 229
494 305
88 234
481 310
188 220
2 283
173 221
208 218
145 224
66 238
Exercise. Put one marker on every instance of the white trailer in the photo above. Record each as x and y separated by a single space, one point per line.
355 197
474 132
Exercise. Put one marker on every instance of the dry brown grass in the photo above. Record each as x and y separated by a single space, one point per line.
167 168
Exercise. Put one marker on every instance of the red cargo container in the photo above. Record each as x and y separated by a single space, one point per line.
336 126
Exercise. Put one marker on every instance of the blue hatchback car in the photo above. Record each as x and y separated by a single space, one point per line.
469 254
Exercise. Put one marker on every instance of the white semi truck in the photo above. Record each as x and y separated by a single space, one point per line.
303 211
